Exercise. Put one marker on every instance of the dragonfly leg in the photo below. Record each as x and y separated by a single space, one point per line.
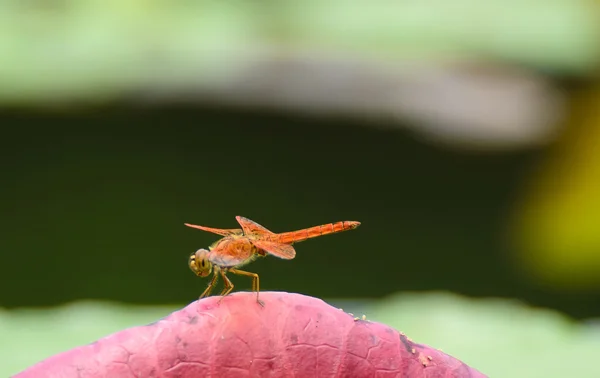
211 285
255 282
228 286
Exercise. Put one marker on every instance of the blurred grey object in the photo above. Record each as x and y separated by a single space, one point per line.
464 104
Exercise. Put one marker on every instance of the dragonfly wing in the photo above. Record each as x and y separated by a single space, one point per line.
283 251
251 227
218 231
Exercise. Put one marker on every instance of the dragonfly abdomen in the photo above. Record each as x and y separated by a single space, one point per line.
313 232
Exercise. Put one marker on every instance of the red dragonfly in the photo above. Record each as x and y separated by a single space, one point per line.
242 246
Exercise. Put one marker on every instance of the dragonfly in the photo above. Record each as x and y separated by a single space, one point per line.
239 247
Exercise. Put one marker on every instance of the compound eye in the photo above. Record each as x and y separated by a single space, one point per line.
192 262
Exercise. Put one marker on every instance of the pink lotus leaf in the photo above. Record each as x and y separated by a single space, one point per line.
291 336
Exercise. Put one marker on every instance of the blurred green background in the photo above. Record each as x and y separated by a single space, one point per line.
464 136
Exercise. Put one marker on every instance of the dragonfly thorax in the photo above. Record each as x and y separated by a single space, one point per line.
232 252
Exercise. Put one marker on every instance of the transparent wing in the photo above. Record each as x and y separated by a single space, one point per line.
251 227
218 231
283 251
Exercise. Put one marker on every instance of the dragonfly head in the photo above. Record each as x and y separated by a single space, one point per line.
199 263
